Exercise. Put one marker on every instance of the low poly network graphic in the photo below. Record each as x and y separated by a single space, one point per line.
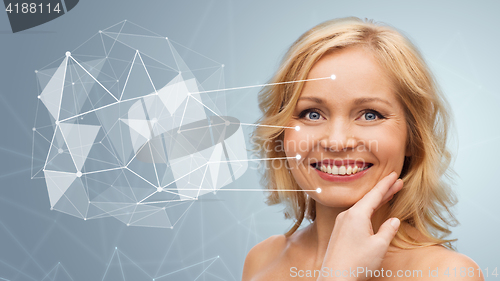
128 130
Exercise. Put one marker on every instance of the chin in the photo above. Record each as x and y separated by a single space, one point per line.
335 200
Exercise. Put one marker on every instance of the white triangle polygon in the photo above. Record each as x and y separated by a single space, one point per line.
173 94
57 184
140 126
52 93
215 162
79 138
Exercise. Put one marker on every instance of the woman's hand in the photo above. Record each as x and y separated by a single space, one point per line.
353 244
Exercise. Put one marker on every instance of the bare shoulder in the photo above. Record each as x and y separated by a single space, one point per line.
450 265
263 254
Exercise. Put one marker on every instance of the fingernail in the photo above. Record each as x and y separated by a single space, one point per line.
395 223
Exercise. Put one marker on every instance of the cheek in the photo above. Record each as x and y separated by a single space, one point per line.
388 145
300 142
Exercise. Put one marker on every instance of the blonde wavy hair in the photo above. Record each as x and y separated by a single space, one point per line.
425 201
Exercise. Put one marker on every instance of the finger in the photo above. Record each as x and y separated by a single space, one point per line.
395 188
388 230
384 202
374 197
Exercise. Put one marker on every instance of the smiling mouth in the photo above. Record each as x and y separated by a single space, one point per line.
343 170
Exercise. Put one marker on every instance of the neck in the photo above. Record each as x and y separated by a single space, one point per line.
321 229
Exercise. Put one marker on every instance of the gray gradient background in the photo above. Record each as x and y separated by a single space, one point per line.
459 40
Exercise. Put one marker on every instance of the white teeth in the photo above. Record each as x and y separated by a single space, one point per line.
335 170
342 170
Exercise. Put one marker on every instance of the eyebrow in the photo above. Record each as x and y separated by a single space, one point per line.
357 101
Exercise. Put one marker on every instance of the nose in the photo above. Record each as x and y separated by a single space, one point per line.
338 137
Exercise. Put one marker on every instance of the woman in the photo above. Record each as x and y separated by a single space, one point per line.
368 113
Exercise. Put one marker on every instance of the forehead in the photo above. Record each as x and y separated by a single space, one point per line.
358 74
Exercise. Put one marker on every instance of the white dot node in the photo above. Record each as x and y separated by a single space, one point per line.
60 150
36 71
298 157
34 129
297 128
57 122
100 31
117 81
171 227
178 131
318 190
227 122
222 65
73 83
166 38
39 97
159 189
333 77
154 120
79 174
68 54
84 219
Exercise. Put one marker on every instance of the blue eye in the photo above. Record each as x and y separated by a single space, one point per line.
372 115
310 114
313 115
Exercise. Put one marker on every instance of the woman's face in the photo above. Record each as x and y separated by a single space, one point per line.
350 123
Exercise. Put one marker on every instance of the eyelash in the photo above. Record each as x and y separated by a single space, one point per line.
379 115
309 110
305 112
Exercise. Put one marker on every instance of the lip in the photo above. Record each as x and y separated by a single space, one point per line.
343 162
344 178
